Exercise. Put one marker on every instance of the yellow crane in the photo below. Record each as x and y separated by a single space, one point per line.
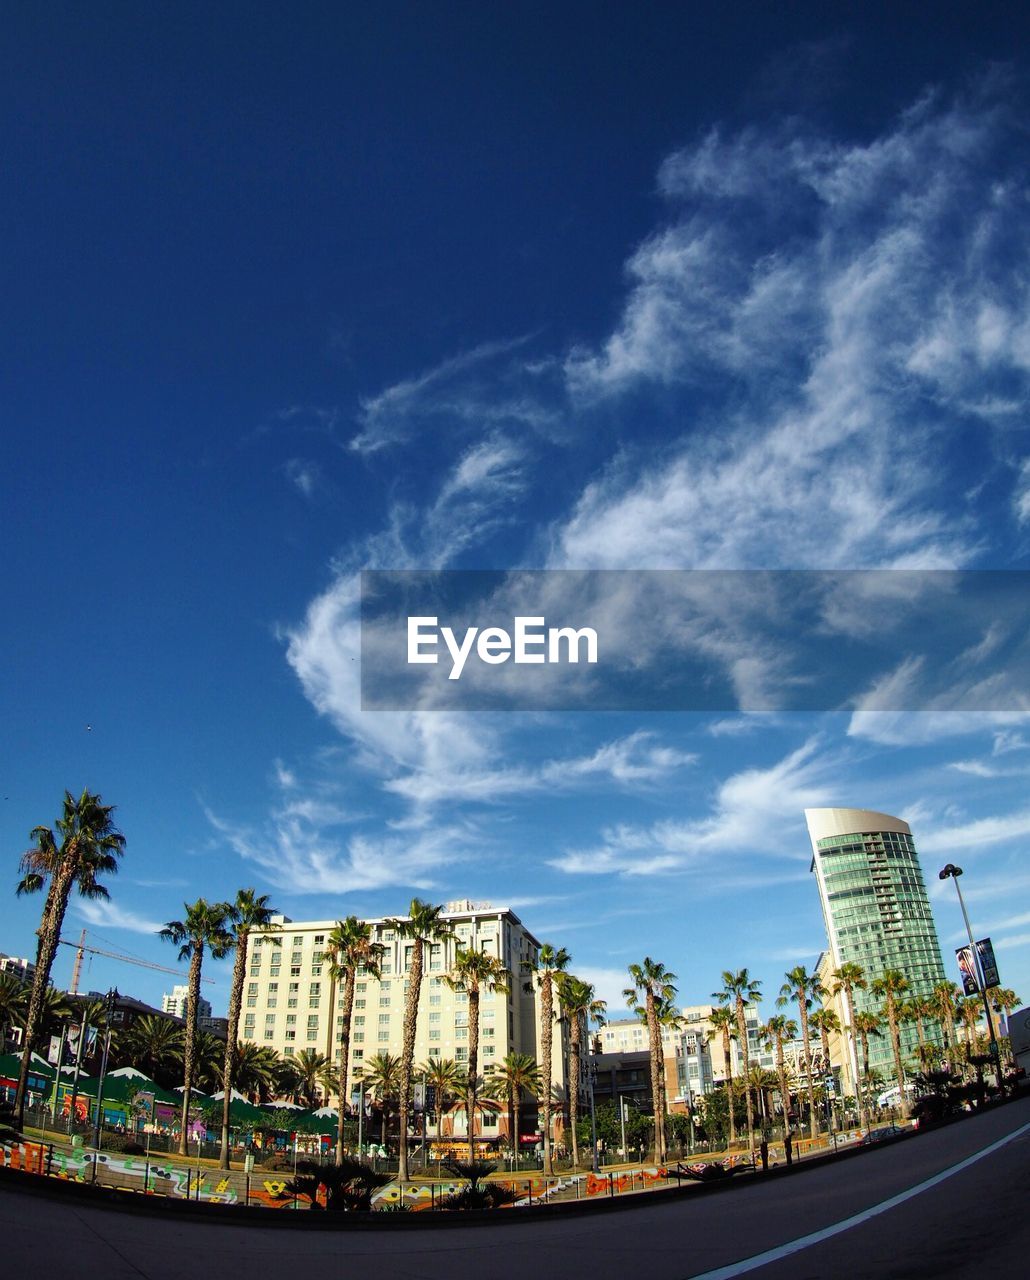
81 948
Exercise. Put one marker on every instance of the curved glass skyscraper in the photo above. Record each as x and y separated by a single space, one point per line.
876 911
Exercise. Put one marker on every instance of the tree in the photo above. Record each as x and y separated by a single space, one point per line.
443 1075
915 1011
202 929
741 989
248 913
891 988
723 1021
349 948
803 987
154 1045
544 968
866 1024
87 845
655 983
210 1054
383 1077
311 1067
943 1002
424 924
13 1003
776 1030
255 1070
849 978
473 972
516 1074
580 1004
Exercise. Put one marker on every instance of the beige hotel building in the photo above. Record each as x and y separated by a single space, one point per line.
291 1003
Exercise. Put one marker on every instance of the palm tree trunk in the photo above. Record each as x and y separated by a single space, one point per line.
408 1054
806 1038
49 933
231 1049
727 1049
344 1059
516 1116
190 1051
657 1070
546 1031
899 1070
742 1033
575 1032
470 1099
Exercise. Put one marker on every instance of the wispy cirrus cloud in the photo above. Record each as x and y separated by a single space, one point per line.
109 915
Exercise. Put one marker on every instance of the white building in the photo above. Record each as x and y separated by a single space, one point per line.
176 1002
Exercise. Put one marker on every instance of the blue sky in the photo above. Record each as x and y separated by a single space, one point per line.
292 292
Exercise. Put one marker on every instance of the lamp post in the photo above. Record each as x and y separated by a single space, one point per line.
951 872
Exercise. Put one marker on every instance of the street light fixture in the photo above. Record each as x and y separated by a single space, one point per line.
951 872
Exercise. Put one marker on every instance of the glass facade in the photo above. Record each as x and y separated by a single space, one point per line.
877 915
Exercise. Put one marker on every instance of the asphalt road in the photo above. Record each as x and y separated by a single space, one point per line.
970 1222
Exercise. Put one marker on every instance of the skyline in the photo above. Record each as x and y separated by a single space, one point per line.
291 296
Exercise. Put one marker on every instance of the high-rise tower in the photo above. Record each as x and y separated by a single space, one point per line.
877 912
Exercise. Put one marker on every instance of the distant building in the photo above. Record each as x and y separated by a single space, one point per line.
176 1003
20 968
877 914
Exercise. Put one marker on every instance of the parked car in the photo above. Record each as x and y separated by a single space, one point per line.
884 1134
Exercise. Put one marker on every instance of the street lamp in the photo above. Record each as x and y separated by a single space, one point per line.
951 872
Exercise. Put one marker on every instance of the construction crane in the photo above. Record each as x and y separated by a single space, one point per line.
80 948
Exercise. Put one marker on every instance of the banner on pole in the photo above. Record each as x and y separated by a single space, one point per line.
964 956
988 964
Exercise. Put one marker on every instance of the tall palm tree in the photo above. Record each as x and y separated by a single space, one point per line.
87 845
548 963
867 1024
776 1030
349 948
202 929
443 1075
655 983
424 924
580 1004
210 1052
383 1076
473 972
740 990
248 913
848 979
970 1011
516 1074
803 987
724 1022
943 1001
916 1011
891 988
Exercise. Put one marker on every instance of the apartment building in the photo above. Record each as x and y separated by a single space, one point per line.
175 1001
291 1002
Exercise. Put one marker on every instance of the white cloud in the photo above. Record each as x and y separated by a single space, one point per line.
108 915
305 475
976 834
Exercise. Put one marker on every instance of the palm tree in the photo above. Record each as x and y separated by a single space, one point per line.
515 1074
970 1010
890 988
472 972
54 1010
776 1030
943 1001
424 924
154 1045
285 1079
1003 1001
255 1070
545 967
724 1022
349 948
248 913
580 1004
802 987
13 1003
655 983
866 1024
210 1060
311 1067
383 1077
741 989
87 845
442 1075
202 929
849 978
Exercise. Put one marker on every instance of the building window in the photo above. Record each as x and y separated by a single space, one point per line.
298 941
274 971
434 1017
291 1035
316 970
384 1037
359 1004
360 986
251 1001
252 988
359 1037
291 1018
269 1019
319 939
269 1034
359 1021
273 1001
295 971
384 1019
384 1002
434 1035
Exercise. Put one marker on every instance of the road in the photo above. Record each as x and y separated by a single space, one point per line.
970 1221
